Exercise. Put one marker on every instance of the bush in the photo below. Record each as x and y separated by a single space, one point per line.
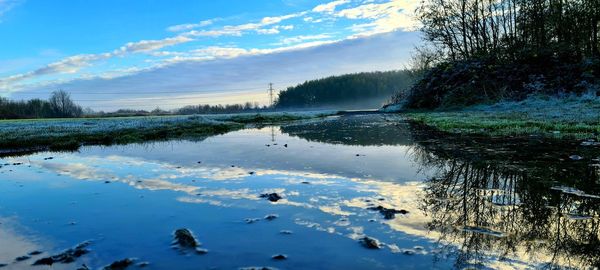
488 80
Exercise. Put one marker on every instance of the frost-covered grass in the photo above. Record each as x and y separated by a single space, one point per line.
71 133
272 117
561 116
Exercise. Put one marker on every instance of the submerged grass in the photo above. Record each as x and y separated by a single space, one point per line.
69 134
561 117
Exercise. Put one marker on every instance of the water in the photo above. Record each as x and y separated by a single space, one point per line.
466 202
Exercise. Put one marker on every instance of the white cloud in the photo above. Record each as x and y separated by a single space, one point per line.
270 31
298 39
238 30
274 30
190 26
330 7
152 45
220 52
383 17
369 18
278 19
237 68
75 63
68 65
7 5
312 20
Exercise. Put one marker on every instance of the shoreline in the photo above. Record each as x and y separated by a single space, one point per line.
35 135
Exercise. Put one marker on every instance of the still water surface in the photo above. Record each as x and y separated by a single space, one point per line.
459 202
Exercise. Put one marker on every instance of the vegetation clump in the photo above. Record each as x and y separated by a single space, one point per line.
463 83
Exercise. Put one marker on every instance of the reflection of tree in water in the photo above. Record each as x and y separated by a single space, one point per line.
511 205
493 198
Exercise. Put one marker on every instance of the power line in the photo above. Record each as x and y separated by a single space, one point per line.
155 104
44 91
140 99
153 92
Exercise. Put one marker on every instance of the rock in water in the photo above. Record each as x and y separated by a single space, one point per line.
388 213
22 258
44 261
184 238
274 197
370 243
251 220
271 217
119 265
279 257
67 256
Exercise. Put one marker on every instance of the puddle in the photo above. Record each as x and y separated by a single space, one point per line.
429 201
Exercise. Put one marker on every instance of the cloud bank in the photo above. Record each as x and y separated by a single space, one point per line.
213 82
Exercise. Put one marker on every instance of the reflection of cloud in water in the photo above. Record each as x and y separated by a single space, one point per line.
202 201
12 244
334 210
210 180
158 184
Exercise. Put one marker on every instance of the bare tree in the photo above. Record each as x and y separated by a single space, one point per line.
63 106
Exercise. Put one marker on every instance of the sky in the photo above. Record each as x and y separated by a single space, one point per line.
144 54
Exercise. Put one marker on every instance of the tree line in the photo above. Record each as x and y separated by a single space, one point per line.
485 51
220 109
347 88
463 29
247 107
59 105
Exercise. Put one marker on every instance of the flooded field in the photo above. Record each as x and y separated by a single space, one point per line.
349 192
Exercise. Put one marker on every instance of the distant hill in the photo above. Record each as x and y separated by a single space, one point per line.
360 90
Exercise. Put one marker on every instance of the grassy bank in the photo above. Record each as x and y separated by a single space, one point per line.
68 134
562 117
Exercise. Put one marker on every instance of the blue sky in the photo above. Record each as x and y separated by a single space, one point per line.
151 53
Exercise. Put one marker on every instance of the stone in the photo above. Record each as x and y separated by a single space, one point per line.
279 257
67 256
119 265
273 197
184 238
271 217
370 243
388 213
22 258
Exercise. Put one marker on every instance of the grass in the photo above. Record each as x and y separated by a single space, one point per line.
69 134
561 117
